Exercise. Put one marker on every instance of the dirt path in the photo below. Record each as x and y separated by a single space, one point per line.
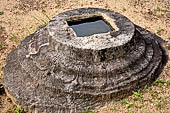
19 18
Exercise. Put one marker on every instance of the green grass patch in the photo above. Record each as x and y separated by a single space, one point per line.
127 103
2 46
138 105
154 95
17 110
159 31
169 38
144 111
168 46
150 12
136 95
87 111
13 38
159 105
160 83
1 12
161 10
168 82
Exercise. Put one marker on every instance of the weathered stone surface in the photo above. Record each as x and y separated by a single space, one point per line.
55 71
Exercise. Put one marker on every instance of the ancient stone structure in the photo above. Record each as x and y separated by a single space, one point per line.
54 70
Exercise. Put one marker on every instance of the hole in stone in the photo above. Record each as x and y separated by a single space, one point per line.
90 26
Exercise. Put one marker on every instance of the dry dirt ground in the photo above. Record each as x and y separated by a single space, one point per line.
19 18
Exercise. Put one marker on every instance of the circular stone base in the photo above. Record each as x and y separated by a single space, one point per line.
53 70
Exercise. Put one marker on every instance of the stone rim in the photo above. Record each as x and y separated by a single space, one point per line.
126 29
63 36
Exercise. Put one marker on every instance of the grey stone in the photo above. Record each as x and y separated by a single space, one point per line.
53 70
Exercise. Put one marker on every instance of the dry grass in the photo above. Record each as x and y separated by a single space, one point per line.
20 18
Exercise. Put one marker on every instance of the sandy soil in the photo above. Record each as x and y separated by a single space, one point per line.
20 18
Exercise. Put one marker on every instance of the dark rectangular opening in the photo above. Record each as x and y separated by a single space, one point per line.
89 26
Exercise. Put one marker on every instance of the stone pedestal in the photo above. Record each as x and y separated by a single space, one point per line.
53 70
